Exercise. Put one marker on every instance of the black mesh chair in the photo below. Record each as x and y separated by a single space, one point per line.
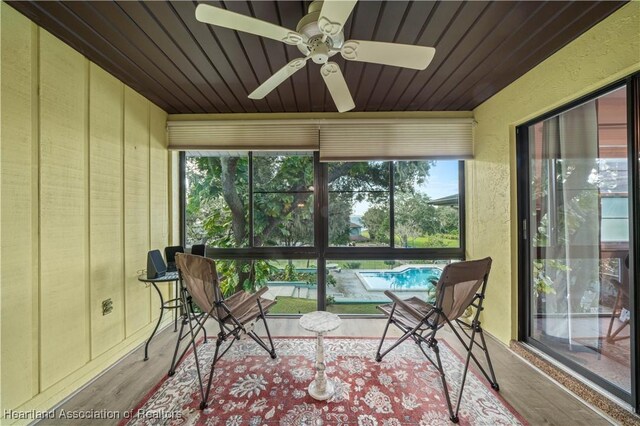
199 250
170 256
461 285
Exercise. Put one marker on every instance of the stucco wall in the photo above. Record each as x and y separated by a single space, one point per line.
607 52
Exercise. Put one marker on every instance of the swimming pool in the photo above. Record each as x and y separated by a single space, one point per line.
408 279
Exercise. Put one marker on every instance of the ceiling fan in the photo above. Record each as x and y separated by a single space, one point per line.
319 36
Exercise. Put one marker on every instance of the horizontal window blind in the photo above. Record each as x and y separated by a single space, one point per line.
337 140
254 135
450 138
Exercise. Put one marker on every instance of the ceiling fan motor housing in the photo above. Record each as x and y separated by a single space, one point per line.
319 50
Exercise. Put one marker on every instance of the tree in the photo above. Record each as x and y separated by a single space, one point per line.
376 220
340 206
414 215
218 197
448 219
406 231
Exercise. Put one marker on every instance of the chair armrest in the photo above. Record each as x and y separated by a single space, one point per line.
410 309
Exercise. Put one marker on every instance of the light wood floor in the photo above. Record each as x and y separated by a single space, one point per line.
532 394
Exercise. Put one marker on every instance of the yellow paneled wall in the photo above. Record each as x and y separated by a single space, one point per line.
607 52
19 272
136 208
84 193
63 172
106 203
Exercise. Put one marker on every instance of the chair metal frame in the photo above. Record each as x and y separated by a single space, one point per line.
619 305
424 333
229 327
188 315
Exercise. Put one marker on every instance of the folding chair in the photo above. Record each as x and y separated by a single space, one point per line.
461 285
620 306
235 315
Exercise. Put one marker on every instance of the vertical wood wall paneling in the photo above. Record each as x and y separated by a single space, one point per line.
63 210
136 208
106 208
158 198
62 203
19 203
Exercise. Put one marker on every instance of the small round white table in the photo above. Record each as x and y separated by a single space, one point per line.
320 322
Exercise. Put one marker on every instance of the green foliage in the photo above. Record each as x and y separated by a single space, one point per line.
543 284
351 265
255 273
290 273
283 200
217 200
331 280
416 217
294 305
376 220
340 206
390 263
209 218
436 240
431 291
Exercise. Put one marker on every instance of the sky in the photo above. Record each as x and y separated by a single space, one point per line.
442 182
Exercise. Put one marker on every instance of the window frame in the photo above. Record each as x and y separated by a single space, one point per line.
321 251
524 326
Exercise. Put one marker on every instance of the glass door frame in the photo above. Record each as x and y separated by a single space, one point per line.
632 83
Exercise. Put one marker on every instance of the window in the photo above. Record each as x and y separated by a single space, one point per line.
427 204
283 199
359 203
257 212
358 286
425 198
217 199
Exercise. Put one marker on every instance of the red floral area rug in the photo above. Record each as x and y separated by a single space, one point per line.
249 388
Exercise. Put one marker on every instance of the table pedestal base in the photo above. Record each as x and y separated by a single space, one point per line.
320 323
321 394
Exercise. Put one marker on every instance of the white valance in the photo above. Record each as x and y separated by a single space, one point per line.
336 139
244 135
433 138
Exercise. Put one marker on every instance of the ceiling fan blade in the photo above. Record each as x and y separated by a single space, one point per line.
398 55
275 80
225 18
334 14
337 86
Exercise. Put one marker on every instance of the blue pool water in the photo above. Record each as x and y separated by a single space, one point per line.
412 278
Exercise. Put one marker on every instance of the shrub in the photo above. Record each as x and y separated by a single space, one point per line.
331 280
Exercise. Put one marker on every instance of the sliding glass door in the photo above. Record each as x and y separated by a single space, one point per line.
576 208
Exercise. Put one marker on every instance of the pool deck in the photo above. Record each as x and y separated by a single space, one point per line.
348 288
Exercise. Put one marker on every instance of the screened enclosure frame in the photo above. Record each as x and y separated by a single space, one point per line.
321 251
523 156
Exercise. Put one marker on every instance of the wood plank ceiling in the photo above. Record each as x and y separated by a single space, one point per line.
184 66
